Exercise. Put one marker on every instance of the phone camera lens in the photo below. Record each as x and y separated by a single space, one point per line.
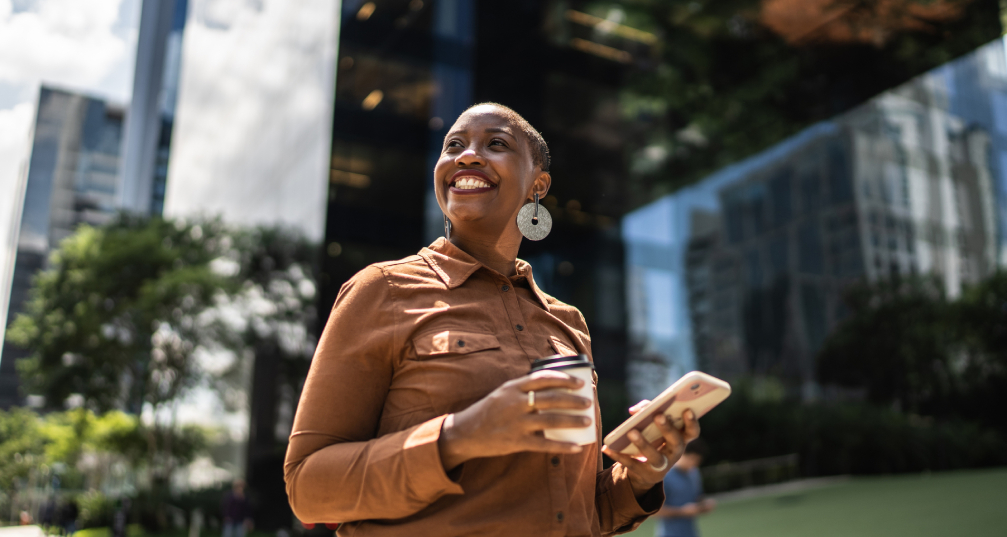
695 387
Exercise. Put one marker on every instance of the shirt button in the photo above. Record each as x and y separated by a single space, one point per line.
559 516
519 328
555 461
461 343
505 288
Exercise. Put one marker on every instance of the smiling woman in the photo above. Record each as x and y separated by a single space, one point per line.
419 406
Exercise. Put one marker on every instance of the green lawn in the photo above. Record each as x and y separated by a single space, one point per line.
968 503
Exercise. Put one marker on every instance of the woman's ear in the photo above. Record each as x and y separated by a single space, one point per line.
542 183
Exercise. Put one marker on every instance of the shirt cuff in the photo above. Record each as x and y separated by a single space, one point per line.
423 460
635 510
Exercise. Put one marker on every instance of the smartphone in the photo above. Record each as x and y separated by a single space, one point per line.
696 391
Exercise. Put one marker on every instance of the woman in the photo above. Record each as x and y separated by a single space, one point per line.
416 417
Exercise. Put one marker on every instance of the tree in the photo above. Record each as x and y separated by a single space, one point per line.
898 343
981 316
725 79
277 291
116 319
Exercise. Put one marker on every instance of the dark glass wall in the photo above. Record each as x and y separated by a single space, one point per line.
638 99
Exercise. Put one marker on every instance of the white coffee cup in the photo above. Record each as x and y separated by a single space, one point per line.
577 367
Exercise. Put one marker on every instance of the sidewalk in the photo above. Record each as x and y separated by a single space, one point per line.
21 531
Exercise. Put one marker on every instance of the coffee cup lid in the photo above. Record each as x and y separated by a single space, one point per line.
559 361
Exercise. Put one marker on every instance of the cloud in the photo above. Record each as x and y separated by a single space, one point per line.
88 45
252 132
76 43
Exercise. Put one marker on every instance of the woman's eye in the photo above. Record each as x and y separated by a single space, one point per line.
454 143
498 142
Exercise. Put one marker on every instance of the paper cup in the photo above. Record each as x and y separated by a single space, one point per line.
578 367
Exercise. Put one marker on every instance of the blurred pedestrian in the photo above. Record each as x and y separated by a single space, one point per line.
683 491
121 518
236 511
68 517
47 514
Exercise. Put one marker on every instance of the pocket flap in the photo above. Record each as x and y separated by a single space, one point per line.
562 347
453 342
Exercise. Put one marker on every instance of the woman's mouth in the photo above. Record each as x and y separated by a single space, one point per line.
470 184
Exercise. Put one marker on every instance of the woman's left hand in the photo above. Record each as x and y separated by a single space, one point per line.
648 468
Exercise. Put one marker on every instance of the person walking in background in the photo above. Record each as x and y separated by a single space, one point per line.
68 517
236 512
683 491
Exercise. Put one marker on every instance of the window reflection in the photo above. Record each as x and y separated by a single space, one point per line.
904 184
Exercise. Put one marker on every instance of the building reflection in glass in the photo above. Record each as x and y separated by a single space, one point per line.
743 273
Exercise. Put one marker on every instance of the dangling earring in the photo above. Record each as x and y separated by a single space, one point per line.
447 228
534 221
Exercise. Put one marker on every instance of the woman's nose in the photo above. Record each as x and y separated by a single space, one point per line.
469 157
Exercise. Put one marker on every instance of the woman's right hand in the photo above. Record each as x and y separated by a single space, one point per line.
503 423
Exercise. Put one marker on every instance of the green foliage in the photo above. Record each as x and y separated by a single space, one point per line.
96 509
723 84
115 317
909 346
22 445
847 438
896 343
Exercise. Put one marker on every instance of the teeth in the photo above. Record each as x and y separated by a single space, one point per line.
471 183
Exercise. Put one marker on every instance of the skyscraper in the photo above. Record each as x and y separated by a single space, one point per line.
90 159
898 186
71 180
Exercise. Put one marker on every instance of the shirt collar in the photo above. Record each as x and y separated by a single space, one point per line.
454 267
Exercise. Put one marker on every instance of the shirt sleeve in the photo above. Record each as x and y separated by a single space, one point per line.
336 469
619 511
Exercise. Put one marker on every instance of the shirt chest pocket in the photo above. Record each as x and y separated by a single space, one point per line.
455 368
452 342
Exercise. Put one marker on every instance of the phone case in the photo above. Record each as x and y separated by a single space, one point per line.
696 391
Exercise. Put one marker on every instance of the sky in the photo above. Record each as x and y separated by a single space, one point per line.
83 45
254 112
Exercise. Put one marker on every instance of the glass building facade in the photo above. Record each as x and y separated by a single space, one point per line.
71 180
786 185
755 258
86 164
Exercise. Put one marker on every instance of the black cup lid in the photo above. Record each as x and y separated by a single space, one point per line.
559 361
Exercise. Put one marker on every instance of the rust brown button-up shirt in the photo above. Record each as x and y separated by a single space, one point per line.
407 343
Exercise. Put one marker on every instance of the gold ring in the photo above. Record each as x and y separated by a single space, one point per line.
531 400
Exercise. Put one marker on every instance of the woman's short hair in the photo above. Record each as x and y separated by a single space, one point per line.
539 149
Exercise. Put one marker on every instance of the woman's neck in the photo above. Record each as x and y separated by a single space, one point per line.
499 254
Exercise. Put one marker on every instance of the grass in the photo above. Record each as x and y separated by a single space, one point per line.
972 503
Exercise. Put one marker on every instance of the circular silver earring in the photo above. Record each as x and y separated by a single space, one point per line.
447 227
534 221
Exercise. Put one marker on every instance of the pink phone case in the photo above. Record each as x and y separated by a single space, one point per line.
696 391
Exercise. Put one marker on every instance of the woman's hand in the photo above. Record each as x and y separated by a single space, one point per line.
643 469
503 423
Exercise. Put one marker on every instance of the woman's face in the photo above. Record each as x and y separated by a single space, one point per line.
485 172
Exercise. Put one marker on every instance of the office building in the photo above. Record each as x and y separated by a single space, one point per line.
898 186
90 159
70 180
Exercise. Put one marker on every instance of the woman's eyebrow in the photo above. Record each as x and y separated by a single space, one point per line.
500 130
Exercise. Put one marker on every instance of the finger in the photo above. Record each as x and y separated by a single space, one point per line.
626 460
558 400
674 443
539 422
653 457
639 406
544 380
691 430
